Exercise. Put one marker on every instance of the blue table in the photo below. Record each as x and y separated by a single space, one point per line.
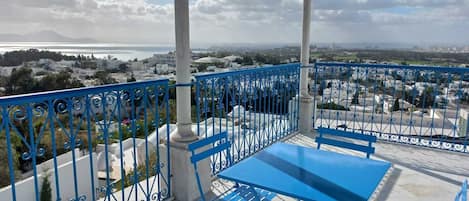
309 174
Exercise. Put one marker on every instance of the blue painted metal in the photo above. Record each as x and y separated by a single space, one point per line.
361 98
43 126
309 174
462 195
204 142
356 136
343 135
219 143
366 149
256 107
221 147
244 192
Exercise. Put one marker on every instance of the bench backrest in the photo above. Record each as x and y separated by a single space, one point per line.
325 132
218 143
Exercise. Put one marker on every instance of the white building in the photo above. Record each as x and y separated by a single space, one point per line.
164 69
168 59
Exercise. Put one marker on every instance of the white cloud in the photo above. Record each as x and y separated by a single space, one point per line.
232 21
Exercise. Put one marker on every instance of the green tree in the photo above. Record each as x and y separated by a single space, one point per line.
260 58
355 99
247 60
4 167
427 98
131 78
123 67
62 80
202 67
332 106
16 58
322 86
103 78
46 190
396 106
21 81
3 80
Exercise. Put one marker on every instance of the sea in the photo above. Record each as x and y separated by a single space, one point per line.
99 50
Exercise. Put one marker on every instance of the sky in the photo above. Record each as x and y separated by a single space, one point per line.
244 21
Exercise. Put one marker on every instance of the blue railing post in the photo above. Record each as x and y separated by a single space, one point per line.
90 146
6 125
33 149
54 148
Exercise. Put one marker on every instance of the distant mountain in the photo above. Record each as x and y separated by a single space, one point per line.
42 36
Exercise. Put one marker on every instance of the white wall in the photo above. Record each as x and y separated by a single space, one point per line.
114 157
25 188
61 159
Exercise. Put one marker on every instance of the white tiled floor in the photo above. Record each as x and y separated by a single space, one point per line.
418 173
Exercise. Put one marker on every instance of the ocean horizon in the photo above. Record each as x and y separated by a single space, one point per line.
99 50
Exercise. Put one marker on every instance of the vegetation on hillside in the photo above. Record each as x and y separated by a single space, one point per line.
22 81
16 58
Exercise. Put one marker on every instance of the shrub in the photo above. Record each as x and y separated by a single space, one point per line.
46 191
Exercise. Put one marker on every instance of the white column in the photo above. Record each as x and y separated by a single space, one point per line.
183 74
306 101
183 180
305 43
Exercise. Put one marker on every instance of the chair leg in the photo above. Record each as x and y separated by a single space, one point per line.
199 185
256 196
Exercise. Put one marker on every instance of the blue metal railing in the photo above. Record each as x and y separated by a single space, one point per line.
256 107
108 142
418 105
99 143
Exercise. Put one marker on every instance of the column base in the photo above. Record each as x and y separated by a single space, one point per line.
184 183
183 136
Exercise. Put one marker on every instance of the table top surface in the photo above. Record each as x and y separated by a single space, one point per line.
308 173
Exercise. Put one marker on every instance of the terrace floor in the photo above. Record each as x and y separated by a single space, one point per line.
418 173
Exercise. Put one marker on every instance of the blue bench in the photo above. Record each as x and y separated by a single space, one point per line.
324 133
462 195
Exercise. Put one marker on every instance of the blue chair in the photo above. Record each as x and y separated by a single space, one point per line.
462 195
219 143
370 139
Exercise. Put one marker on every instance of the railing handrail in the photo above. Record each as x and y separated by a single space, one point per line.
244 71
32 97
391 66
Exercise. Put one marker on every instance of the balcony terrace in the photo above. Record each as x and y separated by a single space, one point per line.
118 129
132 141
